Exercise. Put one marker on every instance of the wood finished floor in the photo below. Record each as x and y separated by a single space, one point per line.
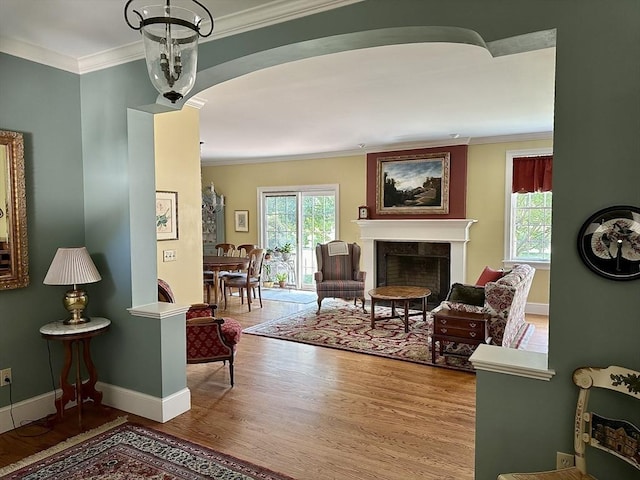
313 413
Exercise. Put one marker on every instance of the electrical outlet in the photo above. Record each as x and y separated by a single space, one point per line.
168 255
5 377
564 460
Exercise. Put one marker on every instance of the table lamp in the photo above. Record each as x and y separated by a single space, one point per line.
73 266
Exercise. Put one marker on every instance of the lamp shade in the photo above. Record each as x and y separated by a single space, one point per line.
72 266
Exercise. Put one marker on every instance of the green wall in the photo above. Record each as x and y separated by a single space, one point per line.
43 104
520 423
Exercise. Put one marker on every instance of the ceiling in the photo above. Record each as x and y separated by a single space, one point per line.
383 98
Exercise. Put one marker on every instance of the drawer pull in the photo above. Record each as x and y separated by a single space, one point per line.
443 330
473 324
443 321
472 334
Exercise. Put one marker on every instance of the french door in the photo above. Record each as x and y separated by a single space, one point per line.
298 217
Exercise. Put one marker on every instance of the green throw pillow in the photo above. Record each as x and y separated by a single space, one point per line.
469 294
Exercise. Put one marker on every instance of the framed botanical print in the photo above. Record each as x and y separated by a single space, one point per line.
166 215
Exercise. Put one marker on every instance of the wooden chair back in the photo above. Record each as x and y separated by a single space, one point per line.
616 436
244 249
225 249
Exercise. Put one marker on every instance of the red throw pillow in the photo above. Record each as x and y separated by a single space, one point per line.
489 275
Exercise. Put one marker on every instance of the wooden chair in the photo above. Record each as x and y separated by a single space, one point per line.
209 339
222 250
225 249
618 437
339 274
244 249
249 280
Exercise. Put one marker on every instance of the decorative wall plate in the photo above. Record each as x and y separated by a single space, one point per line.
609 242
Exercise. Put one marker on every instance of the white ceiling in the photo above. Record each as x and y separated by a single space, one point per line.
383 98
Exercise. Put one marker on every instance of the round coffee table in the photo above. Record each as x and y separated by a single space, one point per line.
398 293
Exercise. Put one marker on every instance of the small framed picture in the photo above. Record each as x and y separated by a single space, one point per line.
166 215
241 220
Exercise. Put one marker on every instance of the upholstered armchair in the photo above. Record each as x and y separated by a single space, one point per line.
339 274
209 339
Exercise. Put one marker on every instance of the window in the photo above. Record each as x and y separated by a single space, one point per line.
528 210
301 216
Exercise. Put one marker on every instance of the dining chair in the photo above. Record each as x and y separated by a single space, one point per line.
244 249
246 281
225 249
222 250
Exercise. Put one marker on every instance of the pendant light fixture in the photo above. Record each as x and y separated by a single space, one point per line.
170 35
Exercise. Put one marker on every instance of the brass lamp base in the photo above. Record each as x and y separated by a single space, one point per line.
75 301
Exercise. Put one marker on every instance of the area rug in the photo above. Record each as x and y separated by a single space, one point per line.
287 295
126 451
345 327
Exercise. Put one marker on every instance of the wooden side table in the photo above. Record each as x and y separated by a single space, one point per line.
72 336
459 327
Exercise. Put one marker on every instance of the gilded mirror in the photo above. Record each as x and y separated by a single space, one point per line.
14 257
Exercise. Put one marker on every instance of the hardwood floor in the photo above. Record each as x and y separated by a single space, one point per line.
311 413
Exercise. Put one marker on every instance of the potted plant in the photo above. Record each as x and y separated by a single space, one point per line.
268 281
282 279
286 250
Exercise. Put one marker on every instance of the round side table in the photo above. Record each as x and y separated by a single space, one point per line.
72 336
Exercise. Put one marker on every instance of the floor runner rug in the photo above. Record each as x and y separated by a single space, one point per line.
287 295
126 451
346 327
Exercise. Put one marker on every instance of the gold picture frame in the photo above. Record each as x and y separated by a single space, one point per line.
413 184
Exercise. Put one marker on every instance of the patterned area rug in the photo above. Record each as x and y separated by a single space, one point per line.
346 327
128 451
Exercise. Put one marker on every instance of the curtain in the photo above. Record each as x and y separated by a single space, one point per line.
532 174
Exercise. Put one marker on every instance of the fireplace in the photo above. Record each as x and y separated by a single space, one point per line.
420 264
446 238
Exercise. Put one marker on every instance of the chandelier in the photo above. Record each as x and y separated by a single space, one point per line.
170 37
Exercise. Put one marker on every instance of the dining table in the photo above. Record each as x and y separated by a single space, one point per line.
217 263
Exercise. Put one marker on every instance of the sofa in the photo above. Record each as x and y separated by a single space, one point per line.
503 300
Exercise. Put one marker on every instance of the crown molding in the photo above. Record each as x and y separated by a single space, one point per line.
258 17
196 102
519 137
382 148
38 54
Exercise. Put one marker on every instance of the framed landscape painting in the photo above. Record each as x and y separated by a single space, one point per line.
413 184
166 215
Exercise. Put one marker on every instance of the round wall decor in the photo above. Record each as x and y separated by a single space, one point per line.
609 242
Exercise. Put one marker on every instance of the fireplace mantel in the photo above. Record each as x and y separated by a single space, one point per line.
453 231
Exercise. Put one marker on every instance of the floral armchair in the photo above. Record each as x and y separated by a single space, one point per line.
505 300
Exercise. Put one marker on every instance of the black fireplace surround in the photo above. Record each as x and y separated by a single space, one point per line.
419 264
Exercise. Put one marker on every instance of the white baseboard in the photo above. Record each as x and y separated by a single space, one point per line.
27 411
537 308
147 406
